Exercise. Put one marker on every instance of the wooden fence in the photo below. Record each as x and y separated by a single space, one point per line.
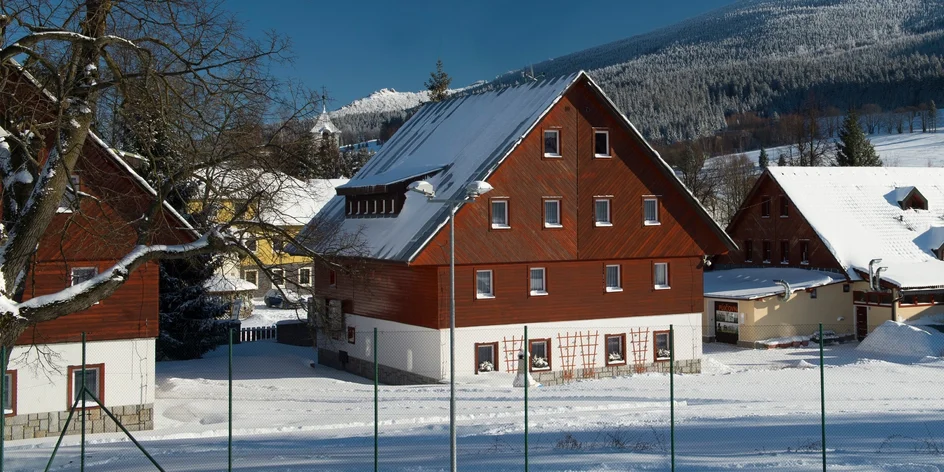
257 333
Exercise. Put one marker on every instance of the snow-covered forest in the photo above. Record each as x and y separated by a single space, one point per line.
766 56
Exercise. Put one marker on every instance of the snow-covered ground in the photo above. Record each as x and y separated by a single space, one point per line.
895 150
748 410
265 316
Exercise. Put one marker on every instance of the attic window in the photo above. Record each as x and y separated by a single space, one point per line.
910 198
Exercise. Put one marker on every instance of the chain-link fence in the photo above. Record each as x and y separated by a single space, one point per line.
554 397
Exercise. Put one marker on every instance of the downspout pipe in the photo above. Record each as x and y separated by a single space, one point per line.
787 291
872 274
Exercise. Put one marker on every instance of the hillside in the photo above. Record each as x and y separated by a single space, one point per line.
767 56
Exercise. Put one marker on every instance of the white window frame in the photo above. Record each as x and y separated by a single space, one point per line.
547 354
559 223
504 203
619 278
645 218
622 345
255 276
556 133
668 342
531 290
494 355
609 212
77 385
655 275
491 285
300 270
607 134
281 273
74 269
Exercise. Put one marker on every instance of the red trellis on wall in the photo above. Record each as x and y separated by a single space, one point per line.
577 344
511 347
640 343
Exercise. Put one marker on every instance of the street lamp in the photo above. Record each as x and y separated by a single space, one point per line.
472 191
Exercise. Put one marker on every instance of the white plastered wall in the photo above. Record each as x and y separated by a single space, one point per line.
425 351
42 373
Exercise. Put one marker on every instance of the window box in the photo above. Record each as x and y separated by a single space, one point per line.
615 349
663 345
483 284
94 381
660 275
552 143
540 352
486 357
651 211
612 275
601 212
499 213
601 143
537 281
552 213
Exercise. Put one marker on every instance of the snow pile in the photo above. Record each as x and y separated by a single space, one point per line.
899 339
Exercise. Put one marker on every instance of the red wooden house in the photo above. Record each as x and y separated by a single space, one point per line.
588 238
855 247
93 228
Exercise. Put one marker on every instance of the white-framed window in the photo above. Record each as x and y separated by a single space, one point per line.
82 274
651 211
660 275
601 143
251 244
663 345
278 277
552 143
483 284
304 276
601 212
538 281
9 392
251 276
540 352
94 383
615 349
499 211
486 357
613 282
552 213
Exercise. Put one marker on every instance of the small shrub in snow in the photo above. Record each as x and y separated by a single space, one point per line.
569 443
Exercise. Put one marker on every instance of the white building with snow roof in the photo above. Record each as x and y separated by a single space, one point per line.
588 238
879 230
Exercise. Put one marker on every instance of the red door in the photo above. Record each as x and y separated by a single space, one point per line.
862 322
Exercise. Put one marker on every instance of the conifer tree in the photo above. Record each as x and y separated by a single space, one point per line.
782 162
853 148
438 83
763 161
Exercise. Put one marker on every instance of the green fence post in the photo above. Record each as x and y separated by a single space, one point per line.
376 404
82 396
672 393
526 382
229 443
822 394
3 365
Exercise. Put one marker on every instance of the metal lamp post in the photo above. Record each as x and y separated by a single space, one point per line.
472 191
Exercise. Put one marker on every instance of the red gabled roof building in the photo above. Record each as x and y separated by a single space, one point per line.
587 237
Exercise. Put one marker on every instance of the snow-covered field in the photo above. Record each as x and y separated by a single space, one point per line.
753 410
895 150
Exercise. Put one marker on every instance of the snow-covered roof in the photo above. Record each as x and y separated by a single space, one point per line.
468 137
855 212
754 283
297 200
225 284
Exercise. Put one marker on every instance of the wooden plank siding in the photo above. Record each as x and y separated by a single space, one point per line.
130 312
576 290
749 223
387 291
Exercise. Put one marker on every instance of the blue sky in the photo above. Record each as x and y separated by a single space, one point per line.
356 47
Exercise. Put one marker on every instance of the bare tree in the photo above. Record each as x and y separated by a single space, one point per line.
179 78
737 175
